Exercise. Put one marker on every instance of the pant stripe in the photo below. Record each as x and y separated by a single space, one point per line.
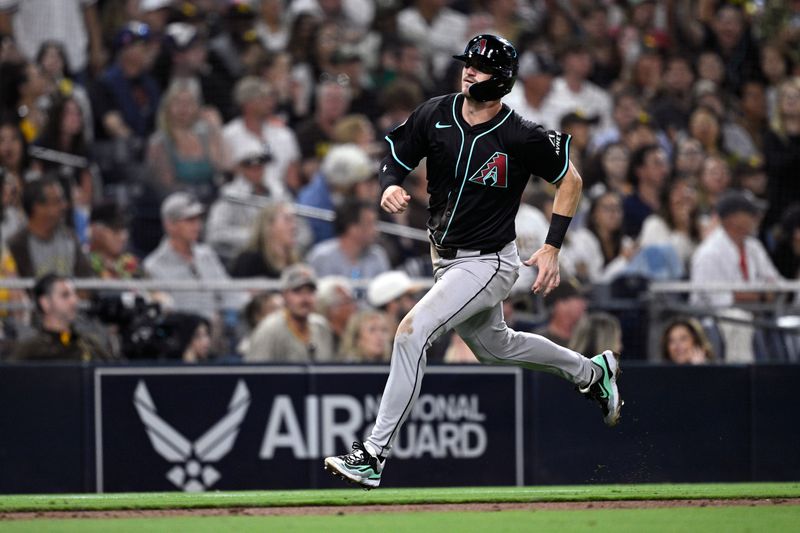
419 359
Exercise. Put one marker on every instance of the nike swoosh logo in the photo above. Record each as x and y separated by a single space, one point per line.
439 125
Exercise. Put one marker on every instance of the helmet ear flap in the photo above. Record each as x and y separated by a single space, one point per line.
491 89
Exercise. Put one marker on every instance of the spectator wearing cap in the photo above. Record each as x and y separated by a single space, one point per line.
47 244
296 334
125 96
236 43
336 303
394 293
72 22
181 257
353 253
573 90
185 55
342 170
108 241
258 124
230 219
186 151
731 252
529 94
156 14
566 305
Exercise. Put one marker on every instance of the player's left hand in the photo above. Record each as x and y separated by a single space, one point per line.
546 260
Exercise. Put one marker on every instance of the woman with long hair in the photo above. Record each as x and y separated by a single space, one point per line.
13 168
64 135
782 151
684 342
367 338
186 149
599 250
273 246
676 224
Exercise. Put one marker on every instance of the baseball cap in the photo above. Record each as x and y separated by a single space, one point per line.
146 6
250 152
182 35
131 33
568 288
533 64
577 117
110 215
181 206
389 286
345 165
298 275
734 201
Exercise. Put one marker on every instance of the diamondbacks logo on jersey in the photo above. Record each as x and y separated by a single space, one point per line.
494 172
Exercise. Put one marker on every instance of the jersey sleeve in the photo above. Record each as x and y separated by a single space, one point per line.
545 152
408 141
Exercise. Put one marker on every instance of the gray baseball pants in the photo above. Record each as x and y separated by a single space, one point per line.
467 296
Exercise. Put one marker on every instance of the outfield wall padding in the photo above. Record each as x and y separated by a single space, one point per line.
86 428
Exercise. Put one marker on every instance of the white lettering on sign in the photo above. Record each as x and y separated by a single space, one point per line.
439 426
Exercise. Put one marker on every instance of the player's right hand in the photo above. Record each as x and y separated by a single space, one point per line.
395 199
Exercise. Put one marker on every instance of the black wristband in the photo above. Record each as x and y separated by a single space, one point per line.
558 230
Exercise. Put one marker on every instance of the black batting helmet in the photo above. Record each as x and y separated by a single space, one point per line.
493 55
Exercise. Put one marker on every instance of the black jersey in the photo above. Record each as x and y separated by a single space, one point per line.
476 174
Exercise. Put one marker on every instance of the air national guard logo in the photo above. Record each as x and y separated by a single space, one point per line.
192 470
494 172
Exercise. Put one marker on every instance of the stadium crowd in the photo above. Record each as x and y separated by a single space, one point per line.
178 139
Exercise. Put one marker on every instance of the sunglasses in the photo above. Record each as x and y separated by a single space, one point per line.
255 161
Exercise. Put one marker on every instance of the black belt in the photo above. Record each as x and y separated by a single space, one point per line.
452 253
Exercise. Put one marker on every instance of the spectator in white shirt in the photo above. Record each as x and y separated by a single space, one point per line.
230 218
439 31
256 100
731 253
529 94
573 91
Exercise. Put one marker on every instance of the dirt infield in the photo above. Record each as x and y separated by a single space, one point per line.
360 509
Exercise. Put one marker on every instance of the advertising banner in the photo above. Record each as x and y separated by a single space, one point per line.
269 427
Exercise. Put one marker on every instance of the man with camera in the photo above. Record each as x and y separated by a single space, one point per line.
56 338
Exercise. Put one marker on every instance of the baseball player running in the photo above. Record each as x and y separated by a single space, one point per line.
480 154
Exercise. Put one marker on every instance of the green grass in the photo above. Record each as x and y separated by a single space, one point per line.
714 520
175 500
